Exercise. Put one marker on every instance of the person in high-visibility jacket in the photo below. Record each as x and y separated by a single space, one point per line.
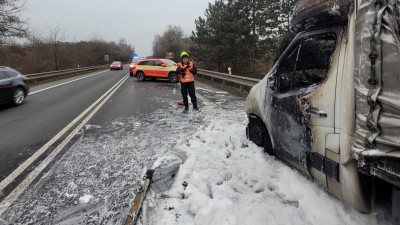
186 71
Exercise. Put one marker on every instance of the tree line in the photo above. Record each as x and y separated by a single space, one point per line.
241 34
51 50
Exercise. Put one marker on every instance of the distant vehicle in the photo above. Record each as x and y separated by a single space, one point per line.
116 65
155 68
14 86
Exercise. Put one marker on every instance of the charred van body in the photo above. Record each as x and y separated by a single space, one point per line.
329 106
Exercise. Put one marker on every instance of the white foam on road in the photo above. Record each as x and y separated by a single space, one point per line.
86 116
231 181
85 199
106 162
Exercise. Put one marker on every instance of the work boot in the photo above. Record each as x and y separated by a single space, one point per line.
185 110
196 109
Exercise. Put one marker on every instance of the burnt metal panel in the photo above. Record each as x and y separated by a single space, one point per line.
388 170
310 14
323 164
315 160
385 169
332 169
376 81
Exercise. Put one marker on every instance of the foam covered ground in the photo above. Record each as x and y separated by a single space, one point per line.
226 180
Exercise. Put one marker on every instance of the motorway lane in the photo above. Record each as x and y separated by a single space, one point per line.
26 128
105 161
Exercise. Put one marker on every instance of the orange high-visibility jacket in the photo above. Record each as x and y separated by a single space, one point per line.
188 75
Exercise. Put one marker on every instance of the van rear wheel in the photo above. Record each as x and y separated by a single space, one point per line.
257 133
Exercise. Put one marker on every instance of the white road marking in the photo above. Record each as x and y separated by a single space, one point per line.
44 89
32 176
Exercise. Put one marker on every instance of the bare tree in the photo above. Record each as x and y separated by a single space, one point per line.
172 40
37 59
56 41
11 25
47 51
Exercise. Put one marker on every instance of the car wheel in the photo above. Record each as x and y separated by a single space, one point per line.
140 76
173 77
257 133
18 97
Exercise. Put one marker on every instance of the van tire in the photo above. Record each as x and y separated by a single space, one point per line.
257 133
140 76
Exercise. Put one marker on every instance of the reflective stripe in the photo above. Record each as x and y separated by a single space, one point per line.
156 68
188 75
147 70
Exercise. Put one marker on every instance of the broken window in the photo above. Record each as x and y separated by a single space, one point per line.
307 63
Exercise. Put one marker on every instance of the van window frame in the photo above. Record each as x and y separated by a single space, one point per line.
295 45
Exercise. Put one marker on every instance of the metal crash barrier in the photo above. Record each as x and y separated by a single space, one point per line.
54 75
224 78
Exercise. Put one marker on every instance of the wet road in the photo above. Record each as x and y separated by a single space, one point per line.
26 128
105 159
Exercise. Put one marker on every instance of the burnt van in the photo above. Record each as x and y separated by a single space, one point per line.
330 106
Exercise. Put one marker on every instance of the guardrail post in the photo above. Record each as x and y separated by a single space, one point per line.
241 87
212 79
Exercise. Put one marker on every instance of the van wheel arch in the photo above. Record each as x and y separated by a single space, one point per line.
257 132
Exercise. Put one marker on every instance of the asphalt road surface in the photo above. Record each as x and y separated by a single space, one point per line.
27 128
129 125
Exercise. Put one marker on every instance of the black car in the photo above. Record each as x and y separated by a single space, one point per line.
14 86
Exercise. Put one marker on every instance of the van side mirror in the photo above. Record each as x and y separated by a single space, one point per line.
271 82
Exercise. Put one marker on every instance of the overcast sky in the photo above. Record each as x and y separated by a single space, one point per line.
136 21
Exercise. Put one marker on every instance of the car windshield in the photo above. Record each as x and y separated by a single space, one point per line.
170 62
116 62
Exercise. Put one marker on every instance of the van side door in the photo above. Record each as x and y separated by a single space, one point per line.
300 74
